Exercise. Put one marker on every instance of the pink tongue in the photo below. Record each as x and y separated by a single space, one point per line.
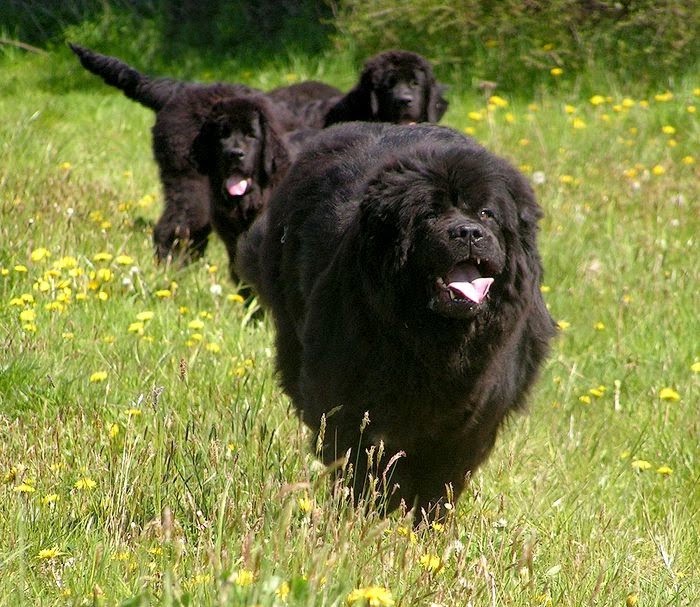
236 187
475 290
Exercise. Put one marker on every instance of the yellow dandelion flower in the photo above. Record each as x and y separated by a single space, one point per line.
585 399
631 600
556 71
668 129
688 160
49 553
628 103
146 201
475 116
691 109
545 288
579 124
599 326
625 454
282 591
669 394
104 275
196 337
235 298
469 130
20 268
430 562
85 484
243 578
213 348
305 504
566 179
510 118
374 596
27 315
563 324
662 97
49 499
102 256
664 470
24 487
164 293
124 260
40 254
206 315
98 376
145 315
133 412
195 324
497 101
113 431
597 100
65 166
438 527
695 367
658 170
569 109
641 464
597 392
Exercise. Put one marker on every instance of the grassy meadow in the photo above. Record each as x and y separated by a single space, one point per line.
148 456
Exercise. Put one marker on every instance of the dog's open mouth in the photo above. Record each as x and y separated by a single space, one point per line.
237 186
462 289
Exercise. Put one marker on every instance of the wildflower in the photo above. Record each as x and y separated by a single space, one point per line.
305 504
469 130
664 470
430 562
164 293
578 124
65 166
538 177
668 129
374 596
563 324
688 160
497 101
695 367
104 275
569 109
49 499
133 412
669 394
566 179
658 170
556 71
214 348
40 254
599 326
475 116
85 483
545 288
662 97
98 376
124 260
235 298
216 290
628 103
691 109
103 256
641 464
144 316
631 600
585 399
597 100
146 201
20 268
24 487
597 392
438 527
282 591
27 315
243 578
195 324
49 553
113 431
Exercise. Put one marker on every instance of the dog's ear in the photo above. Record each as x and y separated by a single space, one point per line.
275 156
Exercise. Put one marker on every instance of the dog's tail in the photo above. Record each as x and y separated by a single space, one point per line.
154 93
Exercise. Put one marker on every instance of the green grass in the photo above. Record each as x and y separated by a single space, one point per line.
160 463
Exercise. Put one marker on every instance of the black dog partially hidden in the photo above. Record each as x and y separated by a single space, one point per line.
241 150
401 268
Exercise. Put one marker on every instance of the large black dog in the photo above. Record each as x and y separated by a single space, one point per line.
401 267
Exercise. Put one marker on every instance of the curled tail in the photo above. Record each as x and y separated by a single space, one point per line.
154 93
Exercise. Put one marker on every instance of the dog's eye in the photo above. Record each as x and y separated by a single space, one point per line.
486 214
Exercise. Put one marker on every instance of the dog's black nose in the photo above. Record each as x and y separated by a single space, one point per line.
234 153
466 231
